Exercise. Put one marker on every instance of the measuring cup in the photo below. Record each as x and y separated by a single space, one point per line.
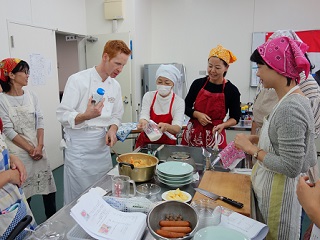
121 186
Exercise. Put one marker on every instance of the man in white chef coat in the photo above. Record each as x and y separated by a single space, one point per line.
90 127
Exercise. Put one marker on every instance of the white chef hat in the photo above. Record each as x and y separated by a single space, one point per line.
169 71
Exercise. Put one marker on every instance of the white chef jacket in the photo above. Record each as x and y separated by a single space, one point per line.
87 157
162 105
79 89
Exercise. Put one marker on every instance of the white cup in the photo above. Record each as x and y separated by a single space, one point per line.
121 186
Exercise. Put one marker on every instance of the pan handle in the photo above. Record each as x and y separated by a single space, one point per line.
126 164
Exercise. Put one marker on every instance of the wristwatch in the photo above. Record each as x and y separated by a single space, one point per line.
256 153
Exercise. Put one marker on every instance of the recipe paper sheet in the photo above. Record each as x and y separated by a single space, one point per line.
251 228
102 221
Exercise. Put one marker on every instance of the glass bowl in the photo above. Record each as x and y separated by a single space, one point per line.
149 191
209 212
50 230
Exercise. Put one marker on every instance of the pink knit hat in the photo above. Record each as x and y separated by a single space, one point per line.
286 56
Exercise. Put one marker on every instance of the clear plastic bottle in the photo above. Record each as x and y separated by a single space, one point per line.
98 95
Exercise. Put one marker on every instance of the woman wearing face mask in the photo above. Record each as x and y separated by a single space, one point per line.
208 101
162 106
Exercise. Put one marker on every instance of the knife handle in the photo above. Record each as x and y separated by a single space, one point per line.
232 202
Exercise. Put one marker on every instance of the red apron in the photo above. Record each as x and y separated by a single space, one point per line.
212 104
165 118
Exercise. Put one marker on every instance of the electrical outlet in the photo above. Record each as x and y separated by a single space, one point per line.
202 72
71 38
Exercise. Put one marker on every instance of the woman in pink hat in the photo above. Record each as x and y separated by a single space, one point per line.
285 149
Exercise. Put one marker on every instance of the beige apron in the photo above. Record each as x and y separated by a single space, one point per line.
275 192
40 179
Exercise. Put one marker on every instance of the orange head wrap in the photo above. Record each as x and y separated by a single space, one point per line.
222 53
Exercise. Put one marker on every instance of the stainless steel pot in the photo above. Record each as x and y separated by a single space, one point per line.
137 173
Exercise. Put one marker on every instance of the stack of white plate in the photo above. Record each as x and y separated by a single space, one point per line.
175 174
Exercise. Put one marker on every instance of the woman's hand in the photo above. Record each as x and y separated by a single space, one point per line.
163 126
14 177
37 153
242 141
217 128
309 198
16 164
203 118
142 124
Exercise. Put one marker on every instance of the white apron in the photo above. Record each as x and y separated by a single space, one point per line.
87 157
87 160
39 179
275 192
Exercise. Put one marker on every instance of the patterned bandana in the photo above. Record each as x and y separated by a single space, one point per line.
285 33
6 66
223 54
286 57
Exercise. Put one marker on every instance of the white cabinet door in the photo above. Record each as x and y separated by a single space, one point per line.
93 56
37 46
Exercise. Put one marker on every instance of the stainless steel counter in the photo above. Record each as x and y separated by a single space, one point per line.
63 214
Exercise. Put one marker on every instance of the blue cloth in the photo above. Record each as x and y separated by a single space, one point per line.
124 130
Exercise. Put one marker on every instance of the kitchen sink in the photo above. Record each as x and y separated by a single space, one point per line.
195 153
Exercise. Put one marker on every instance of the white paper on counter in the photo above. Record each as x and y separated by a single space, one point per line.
102 221
315 234
249 227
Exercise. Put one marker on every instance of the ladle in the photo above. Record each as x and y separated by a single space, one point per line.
215 147
118 156
207 155
157 150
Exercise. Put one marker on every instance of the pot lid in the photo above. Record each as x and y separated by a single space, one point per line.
180 155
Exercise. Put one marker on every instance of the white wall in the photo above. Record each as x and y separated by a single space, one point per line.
186 30
63 15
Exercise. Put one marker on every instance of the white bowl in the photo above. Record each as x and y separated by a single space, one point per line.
164 196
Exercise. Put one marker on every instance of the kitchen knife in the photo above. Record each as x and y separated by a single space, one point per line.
215 197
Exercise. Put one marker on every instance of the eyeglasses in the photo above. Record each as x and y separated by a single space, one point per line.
27 72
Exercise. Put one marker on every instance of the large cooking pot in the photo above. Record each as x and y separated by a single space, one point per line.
140 167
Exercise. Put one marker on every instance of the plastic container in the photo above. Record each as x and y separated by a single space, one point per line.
152 131
98 95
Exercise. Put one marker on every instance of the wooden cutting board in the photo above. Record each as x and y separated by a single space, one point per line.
230 185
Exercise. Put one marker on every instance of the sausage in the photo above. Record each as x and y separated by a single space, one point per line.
177 229
169 234
165 223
